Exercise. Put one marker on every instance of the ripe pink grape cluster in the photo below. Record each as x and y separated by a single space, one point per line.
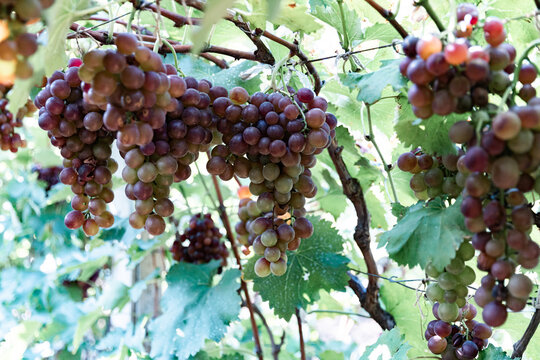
432 176
458 77
160 119
76 127
272 140
200 243
16 45
500 151
50 175
462 340
10 140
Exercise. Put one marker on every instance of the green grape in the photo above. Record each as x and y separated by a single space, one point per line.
448 311
434 292
467 276
450 296
461 290
456 266
466 251
447 281
461 301
432 271
262 267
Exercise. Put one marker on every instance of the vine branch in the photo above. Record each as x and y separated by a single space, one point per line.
521 345
300 336
369 298
230 236
276 348
432 14
389 16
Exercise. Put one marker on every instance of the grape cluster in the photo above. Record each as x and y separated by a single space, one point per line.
432 176
247 212
16 44
10 140
270 236
462 340
76 128
272 140
50 175
450 289
200 243
500 150
455 334
459 77
136 90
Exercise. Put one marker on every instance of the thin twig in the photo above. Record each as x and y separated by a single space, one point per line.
389 16
300 335
230 236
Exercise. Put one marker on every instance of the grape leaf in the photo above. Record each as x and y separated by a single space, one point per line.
390 343
292 13
191 313
350 26
214 11
371 85
427 233
316 265
431 134
383 32
402 303
493 353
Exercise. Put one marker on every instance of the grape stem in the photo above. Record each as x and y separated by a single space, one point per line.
369 298
230 236
345 45
512 88
387 167
389 16
300 335
427 6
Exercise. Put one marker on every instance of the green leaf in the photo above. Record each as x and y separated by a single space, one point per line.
316 265
383 32
292 13
406 309
376 210
351 25
371 85
194 309
398 210
214 11
493 353
59 17
84 324
427 233
333 202
430 134
17 340
390 343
